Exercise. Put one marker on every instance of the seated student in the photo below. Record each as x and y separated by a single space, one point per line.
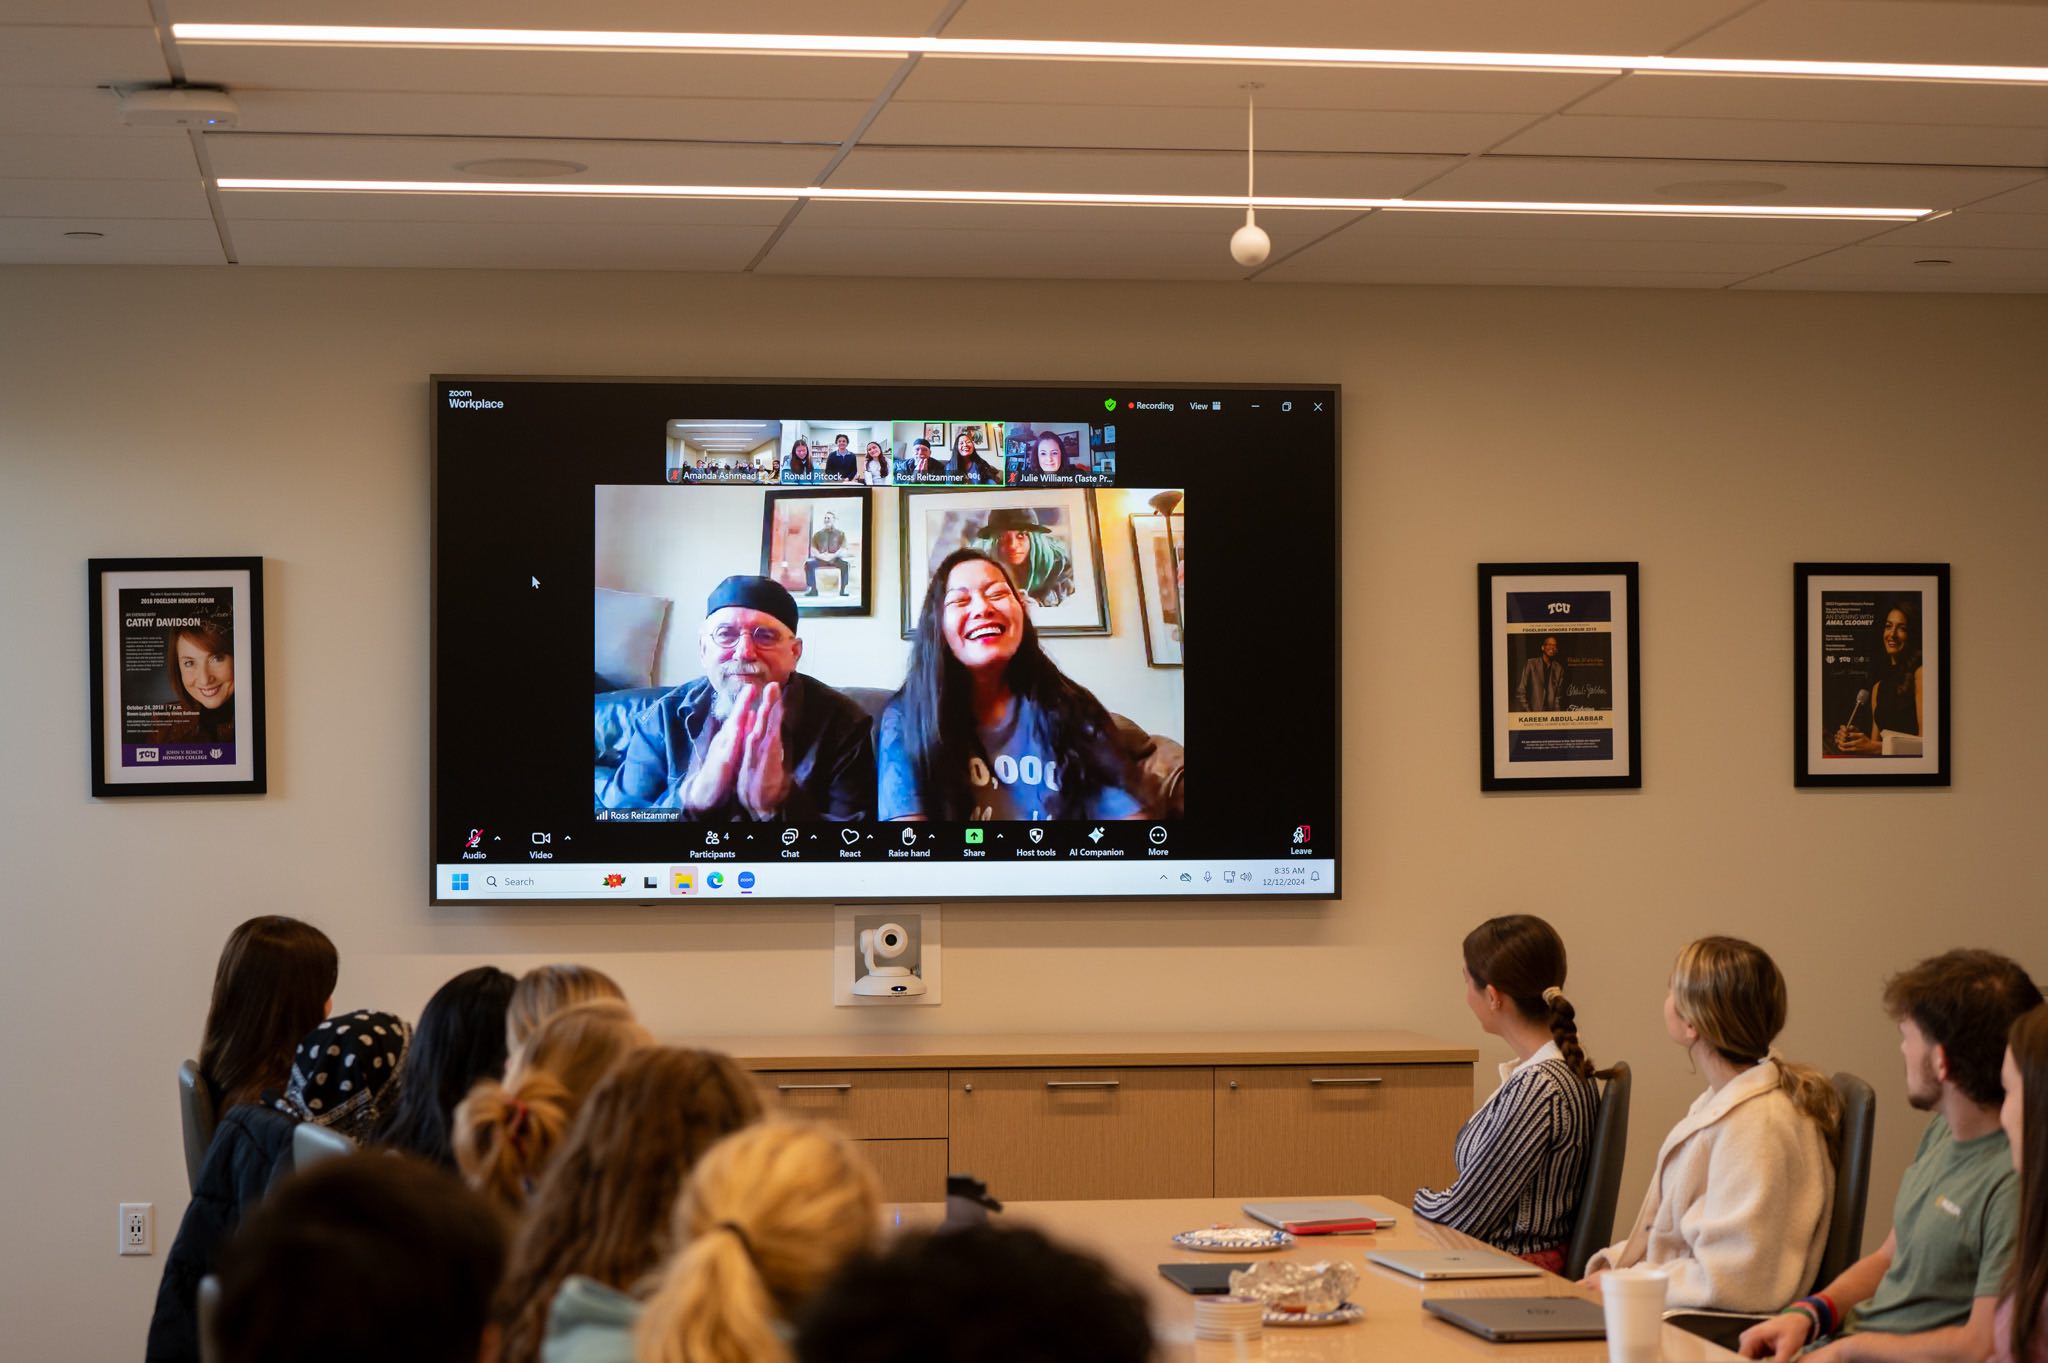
507 1133
340 1072
840 464
460 1039
601 1219
545 991
2020 1331
384 1259
968 466
984 1294
766 1218
800 469
1931 1290
275 980
1737 1210
986 726
753 738
1522 1156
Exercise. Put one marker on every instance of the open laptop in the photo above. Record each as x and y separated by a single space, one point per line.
1433 1264
1507 1320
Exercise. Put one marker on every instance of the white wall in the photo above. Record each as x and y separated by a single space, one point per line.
1715 437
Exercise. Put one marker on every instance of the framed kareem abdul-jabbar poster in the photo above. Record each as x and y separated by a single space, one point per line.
1559 677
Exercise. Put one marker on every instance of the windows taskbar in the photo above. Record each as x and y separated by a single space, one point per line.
652 882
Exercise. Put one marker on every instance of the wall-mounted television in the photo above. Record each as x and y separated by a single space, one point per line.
701 641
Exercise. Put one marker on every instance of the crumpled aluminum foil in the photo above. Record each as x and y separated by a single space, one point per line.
1285 1286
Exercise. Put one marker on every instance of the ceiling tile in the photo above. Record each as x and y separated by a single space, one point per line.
514 246
111 156
1972 228
1592 228
1632 181
985 124
1142 172
291 156
125 240
537 73
2000 33
2028 198
1626 26
1000 253
67 55
1790 99
74 13
1288 229
1345 253
1880 260
1760 139
104 198
1926 281
554 116
74 109
1540 278
673 16
1177 85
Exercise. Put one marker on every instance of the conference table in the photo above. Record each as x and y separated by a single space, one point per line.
1136 1237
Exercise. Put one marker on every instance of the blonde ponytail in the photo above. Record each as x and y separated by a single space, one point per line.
506 1133
767 1216
1815 1095
505 1137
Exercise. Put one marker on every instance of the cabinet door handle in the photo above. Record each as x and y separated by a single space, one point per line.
1322 1083
1081 1083
790 1088
1233 1086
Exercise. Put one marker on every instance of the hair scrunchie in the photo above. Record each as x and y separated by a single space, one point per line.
741 1236
1553 994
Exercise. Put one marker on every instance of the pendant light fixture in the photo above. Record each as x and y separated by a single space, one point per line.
1249 244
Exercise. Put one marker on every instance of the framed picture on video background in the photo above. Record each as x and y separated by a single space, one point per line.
1159 549
1559 677
177 675
1870 674
819 544
1047 537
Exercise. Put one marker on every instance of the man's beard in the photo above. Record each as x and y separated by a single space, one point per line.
727 684
1923 1099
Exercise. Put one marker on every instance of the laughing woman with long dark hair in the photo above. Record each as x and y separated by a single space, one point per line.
986 726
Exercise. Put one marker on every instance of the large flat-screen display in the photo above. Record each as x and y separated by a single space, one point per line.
701 641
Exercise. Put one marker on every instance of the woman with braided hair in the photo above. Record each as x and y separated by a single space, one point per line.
1522 1156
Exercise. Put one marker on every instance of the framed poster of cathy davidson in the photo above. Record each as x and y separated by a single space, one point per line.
1559 677
1870 674
177 675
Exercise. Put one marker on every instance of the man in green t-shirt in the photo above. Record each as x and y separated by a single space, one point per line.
1930 1291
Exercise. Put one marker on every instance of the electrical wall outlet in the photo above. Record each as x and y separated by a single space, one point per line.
137 1228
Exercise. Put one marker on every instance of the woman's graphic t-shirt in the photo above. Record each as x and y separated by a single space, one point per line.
1013 778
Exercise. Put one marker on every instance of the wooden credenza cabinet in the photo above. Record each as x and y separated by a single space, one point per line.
1059 1118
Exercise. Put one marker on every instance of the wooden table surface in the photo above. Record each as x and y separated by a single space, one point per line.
1135 1237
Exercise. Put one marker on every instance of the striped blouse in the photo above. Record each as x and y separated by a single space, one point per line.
1521 1159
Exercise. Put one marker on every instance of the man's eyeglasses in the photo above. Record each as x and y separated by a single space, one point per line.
765 637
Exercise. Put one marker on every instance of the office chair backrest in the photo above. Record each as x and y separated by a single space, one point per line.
1852 1178
312 1144
1594 1226
196 1116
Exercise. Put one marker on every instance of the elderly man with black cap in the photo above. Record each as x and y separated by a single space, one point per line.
752 738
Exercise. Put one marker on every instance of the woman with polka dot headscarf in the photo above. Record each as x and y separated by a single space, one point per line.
345 1072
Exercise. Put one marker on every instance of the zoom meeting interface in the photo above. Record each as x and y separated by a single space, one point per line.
862 642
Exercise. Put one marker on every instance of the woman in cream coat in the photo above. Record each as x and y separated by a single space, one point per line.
1739 1203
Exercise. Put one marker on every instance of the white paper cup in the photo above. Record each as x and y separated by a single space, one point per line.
1634 1299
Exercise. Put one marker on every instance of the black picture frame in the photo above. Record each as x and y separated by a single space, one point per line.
135 650
1081 499
1841 620
1515 753
1163 644
848 494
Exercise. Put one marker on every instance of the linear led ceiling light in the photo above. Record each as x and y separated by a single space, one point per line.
1054 198
1210 54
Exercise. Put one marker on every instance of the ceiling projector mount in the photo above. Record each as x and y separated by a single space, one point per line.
1249 244
178 106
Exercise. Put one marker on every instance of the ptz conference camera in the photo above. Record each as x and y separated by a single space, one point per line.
888 942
